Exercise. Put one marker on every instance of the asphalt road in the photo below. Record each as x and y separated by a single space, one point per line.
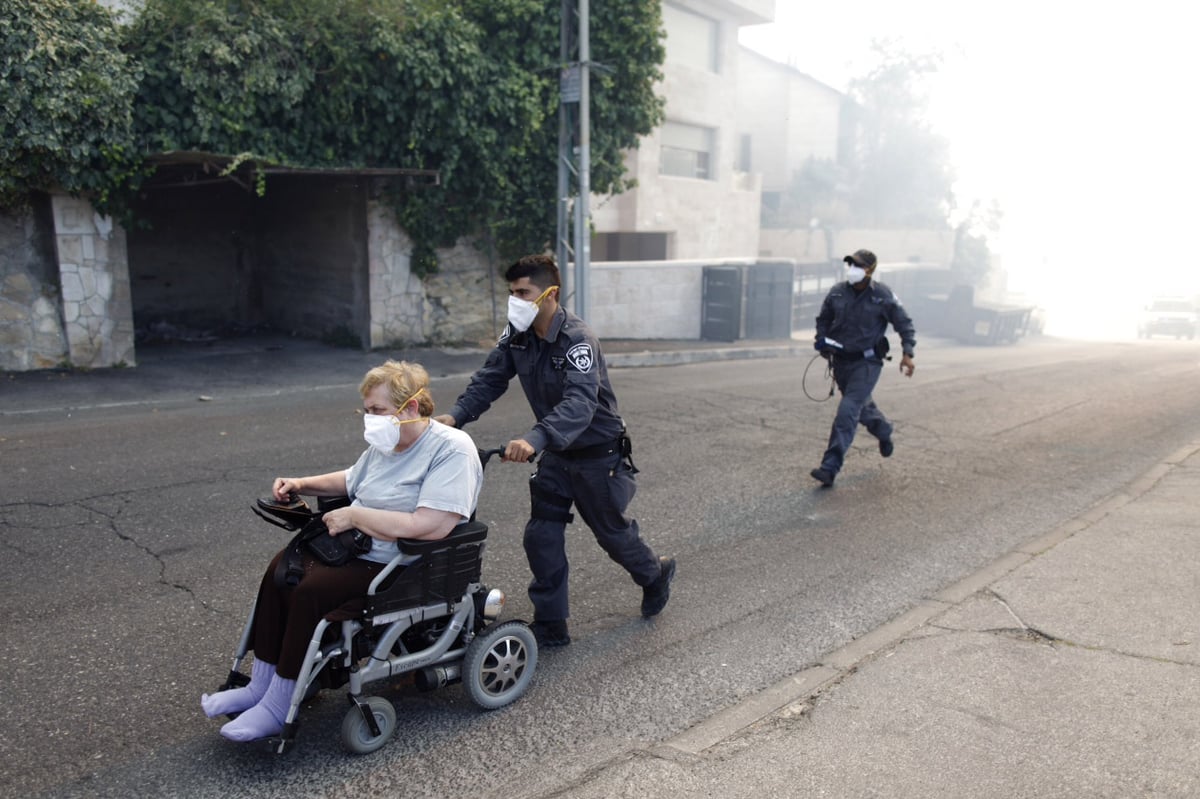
132 557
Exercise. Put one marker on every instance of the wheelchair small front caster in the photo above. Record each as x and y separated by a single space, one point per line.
357 733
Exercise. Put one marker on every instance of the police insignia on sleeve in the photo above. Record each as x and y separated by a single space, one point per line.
580 356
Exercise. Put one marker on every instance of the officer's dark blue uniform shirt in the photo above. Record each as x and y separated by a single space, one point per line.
858 319
565 380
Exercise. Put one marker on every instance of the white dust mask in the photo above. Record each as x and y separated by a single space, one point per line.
383 431
521 313
855 274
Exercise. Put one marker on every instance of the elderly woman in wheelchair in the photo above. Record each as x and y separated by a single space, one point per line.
395 563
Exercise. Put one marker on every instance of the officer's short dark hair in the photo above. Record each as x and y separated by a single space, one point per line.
541 270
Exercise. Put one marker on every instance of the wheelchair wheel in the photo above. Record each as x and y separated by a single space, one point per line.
499 664
356 733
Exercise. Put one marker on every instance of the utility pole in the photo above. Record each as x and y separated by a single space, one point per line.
574 156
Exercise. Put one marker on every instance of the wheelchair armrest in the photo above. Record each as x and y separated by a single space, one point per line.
466 533
325 504
396 562
411 550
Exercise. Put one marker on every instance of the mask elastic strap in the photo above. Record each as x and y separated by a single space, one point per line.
415 394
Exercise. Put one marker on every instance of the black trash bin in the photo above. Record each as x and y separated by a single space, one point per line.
721 301
747 301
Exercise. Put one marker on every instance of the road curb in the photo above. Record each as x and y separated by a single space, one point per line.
626 360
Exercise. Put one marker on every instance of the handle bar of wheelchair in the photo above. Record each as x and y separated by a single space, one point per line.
486 455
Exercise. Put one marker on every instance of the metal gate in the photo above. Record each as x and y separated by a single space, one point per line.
721 312
769 300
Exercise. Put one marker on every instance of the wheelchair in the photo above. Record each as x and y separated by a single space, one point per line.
426 613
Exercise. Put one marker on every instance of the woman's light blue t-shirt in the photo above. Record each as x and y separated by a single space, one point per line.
441 470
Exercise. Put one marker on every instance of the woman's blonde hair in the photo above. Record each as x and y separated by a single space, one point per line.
404 380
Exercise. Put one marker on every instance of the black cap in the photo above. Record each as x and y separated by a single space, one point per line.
864 258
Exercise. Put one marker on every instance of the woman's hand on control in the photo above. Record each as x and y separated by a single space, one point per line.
284 487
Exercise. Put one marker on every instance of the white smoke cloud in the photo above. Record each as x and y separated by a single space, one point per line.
1075 116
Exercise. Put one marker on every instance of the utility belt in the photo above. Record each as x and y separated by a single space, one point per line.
591 453
621 445
879 351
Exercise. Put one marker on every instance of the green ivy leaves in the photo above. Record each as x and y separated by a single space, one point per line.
466 87
65 118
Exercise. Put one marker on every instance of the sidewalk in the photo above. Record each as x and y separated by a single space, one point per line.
1068 668
268 365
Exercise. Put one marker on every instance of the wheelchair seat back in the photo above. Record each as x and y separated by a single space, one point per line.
444 570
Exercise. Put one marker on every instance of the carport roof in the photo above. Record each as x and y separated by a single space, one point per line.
194 168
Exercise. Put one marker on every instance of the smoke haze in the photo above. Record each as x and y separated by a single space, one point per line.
1075 116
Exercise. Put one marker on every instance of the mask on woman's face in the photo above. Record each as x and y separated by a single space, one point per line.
521 313
855 274
383 431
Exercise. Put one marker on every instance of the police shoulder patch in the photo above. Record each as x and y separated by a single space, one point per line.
581 357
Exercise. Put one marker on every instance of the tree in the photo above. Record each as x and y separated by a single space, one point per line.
816 192
627 44
467 87
902 174
972 256
65 118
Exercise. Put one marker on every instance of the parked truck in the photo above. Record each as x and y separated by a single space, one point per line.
1169 316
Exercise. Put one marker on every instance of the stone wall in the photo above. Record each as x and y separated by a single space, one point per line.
314 259
94 276
464 302
468 297
31 328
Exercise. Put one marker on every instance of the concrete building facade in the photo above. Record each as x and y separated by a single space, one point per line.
694 198
787 118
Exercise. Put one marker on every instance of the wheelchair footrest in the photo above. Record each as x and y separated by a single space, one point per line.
286 739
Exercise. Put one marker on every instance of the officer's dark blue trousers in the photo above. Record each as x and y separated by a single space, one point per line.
856 380
601 490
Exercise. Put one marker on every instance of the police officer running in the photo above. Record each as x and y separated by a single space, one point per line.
585 452
851 329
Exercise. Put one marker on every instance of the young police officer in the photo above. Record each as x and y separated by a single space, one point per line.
850 330
585 452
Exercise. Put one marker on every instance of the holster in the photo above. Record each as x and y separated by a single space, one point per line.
625 445
881 349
